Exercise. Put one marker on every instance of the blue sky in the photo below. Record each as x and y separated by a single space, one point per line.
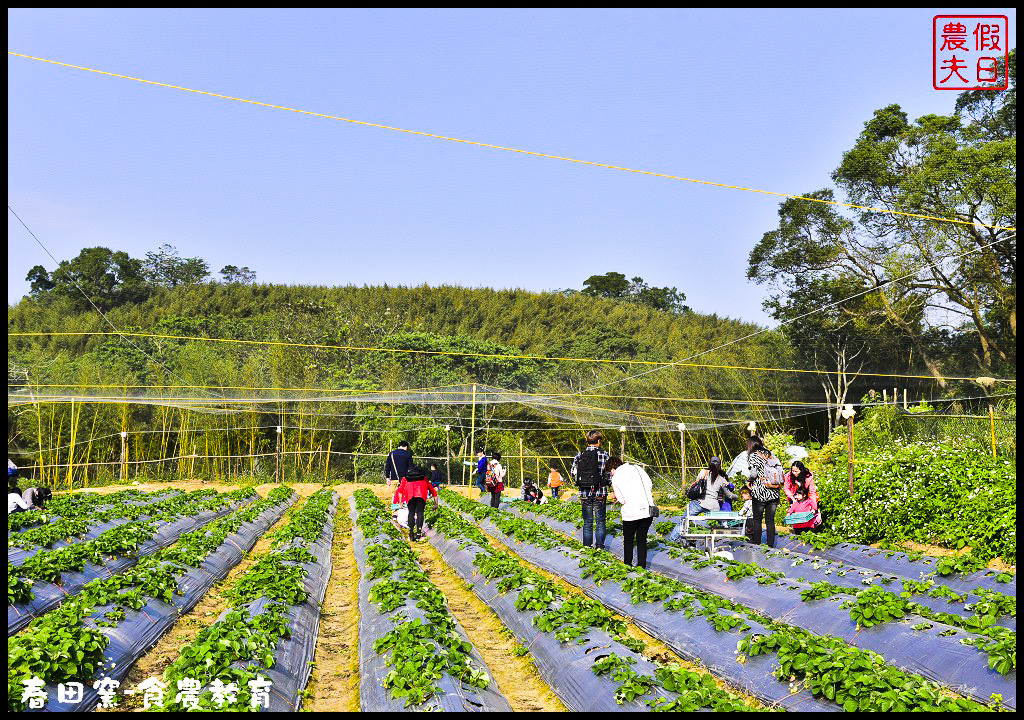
766 99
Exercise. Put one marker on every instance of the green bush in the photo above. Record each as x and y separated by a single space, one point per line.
945 492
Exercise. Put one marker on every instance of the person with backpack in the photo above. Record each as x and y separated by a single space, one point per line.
398 463
592 480
414 490
704 493
494 480
765 481
632 487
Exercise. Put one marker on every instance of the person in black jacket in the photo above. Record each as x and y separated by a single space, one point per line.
398 464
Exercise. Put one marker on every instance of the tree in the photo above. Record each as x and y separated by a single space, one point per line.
233 274
961 167
165 268
40 280
614 285
610 285
105 277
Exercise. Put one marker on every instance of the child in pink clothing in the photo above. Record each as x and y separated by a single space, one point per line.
802 503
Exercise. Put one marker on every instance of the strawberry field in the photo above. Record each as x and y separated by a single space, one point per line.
282 598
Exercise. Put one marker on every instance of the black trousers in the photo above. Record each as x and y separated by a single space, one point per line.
416 507
766 509
635 529
495 499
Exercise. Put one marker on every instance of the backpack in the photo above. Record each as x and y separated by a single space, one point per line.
588 471
773 472
492 482
698 489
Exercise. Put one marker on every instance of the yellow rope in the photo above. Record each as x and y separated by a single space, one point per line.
316 346
507 149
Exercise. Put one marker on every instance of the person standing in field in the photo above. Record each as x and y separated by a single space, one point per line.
435 476
398 463
481 470
495 479
591 477
413 490
554 482
632 487
765 481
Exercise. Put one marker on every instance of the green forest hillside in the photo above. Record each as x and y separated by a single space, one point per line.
385 331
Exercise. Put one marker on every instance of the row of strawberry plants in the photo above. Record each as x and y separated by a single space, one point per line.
869 684
538 604
71 505
978 629
979 607
64 571
412 652
99 519
107 626
267 632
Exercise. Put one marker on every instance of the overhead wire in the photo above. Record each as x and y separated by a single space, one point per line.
492 146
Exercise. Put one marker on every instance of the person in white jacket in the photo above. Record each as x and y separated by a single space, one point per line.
631 486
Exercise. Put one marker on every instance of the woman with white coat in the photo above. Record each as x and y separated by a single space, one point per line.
631 486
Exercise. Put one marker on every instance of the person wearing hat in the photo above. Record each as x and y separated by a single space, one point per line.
414 490
715 482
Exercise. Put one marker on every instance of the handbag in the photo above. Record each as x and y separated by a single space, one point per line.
652 508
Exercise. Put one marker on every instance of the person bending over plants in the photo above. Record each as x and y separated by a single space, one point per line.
413 491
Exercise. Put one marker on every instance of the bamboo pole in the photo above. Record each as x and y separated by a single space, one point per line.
682 455
327 462
277 457
472 426
71 448
992 424
848 414
448 452
522 477
124 456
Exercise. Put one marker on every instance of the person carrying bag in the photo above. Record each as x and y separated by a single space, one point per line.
766 479
632 488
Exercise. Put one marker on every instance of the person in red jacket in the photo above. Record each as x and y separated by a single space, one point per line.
413 491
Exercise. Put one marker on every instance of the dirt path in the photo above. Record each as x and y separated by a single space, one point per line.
515 675
188 627
335 683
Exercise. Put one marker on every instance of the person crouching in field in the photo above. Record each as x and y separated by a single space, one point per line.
414 490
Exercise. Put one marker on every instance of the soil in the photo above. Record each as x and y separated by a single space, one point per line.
334 686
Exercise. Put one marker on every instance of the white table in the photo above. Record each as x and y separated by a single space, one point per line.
695 527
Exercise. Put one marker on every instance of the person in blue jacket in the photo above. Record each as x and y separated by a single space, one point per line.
398 464
481 470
